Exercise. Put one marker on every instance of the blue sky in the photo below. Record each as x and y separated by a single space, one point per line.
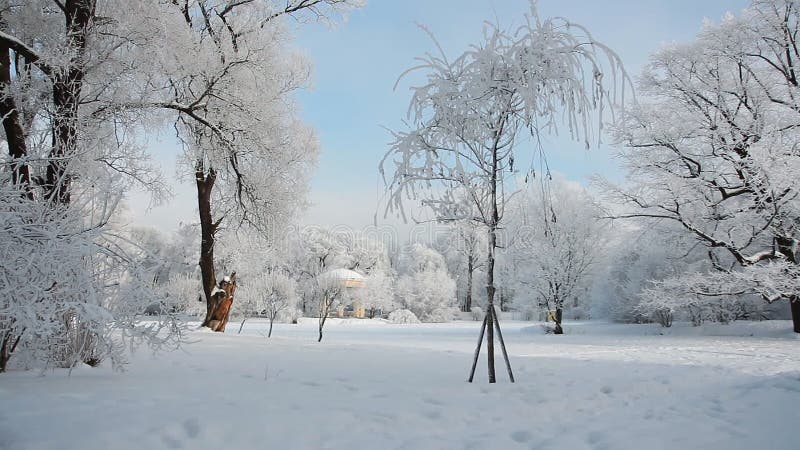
356 64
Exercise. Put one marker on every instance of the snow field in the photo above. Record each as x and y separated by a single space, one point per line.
372 385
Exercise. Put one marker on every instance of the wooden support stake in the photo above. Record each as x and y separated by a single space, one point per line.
502 344
478 349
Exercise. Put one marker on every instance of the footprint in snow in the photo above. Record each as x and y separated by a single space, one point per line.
432 401
171 442
597 440
192 427
433 415
521 436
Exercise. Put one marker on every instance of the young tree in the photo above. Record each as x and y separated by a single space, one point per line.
272 292
316 252
712 147
458 156
329 291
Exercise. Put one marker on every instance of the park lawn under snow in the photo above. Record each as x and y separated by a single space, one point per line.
372 385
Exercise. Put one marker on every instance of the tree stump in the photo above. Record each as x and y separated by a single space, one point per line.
222 299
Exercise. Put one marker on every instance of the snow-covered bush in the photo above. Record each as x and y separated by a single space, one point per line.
695 297
426 286
476 312
377 293
403 316
439 315
184 294
70 290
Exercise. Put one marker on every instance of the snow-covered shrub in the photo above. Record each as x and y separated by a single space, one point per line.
377 295
426 286
184 295
577 313
403 316
476 312
439 315
694 297
70 289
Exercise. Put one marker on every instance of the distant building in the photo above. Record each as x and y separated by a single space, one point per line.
351 280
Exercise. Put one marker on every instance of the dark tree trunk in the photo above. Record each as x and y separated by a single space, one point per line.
558 318
15 133
490 274
321 325
5 352
470 269
489 306
271 321
7 348
492 225
205 184
67 85
787 247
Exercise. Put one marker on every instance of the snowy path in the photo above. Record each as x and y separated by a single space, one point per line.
401 387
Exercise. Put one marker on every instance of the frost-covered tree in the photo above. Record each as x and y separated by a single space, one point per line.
72 153
555 237
317 252
378 293
465 121
426 288
464 246
271 292
65 69
229 79
712 147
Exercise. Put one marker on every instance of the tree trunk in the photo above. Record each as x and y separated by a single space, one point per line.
15 133
271 321
7 349
242 325
321 324
324 307
495 218
787 246
5 352
489 306
67 85
558 317
205 184
470 269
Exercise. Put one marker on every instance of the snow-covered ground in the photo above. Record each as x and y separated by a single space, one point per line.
372 385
